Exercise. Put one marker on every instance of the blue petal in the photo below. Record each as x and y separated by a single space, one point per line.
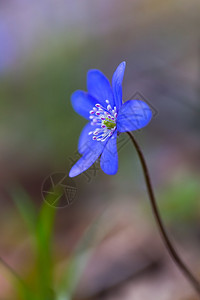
99 87
82 103
89 157
117 83
133 115
85 140
109 157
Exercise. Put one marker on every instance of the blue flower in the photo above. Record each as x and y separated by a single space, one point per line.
102 106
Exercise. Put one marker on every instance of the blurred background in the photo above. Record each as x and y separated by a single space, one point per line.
100 240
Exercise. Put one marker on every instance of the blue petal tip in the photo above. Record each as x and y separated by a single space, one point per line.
72 172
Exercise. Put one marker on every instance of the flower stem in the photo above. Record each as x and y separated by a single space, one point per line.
173 253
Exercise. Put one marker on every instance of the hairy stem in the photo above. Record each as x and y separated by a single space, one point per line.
173 253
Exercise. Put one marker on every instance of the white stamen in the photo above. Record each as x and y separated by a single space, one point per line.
104 118
98 105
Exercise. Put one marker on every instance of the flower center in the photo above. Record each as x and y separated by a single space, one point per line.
104 119
109 124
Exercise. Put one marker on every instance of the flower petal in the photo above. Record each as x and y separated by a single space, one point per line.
99 87
82 103
133 115
85 140
89 157
117 83
109 157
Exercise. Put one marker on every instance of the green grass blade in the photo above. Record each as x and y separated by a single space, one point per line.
44 234
23 289
25 207
77 263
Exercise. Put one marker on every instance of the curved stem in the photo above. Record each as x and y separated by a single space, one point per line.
159 222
